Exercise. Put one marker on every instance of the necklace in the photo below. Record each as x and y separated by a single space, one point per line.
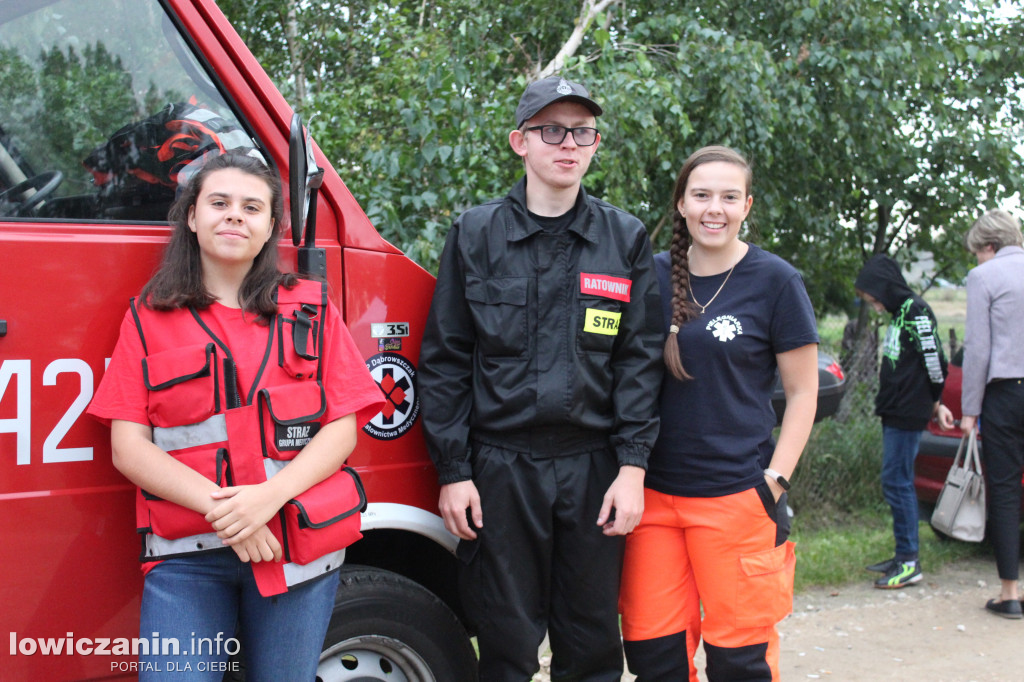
705 306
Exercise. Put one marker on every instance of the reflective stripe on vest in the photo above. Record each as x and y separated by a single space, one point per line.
300 573
294 574
273 466
213 430
156 546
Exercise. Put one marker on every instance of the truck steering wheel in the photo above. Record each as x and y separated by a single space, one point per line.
44 184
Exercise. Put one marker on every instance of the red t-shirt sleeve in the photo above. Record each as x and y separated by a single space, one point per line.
347 381
122 393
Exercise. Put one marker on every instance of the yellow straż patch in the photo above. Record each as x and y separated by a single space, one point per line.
602 322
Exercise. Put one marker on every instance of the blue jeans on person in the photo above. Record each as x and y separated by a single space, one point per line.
899 450
209 602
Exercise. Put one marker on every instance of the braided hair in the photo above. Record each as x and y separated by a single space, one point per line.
683 307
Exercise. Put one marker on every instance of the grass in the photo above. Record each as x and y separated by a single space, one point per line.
836 555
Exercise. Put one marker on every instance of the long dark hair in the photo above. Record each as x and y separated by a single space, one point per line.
178 283
683 309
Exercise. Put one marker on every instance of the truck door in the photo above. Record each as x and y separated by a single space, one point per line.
102 108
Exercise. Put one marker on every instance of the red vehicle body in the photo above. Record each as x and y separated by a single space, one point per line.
69 570
938 448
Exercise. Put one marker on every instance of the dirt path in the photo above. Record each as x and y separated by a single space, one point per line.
935 631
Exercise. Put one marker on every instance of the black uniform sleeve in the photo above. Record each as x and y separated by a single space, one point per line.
446 368
637 363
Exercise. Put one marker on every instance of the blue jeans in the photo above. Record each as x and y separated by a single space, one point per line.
899 450
210 602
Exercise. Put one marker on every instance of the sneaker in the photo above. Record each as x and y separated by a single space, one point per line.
883 566
901 575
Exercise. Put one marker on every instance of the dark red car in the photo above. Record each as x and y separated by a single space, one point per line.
938 447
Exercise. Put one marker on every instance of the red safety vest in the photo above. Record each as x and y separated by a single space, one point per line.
237 435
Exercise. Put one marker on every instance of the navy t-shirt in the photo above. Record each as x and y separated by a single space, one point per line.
716 429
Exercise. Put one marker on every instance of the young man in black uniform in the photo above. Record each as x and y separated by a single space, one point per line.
539 373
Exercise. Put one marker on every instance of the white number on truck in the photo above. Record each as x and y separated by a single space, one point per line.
21 423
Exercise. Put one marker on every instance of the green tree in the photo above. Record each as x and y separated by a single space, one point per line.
873 125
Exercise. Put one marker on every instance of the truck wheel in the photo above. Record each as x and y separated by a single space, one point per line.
386 627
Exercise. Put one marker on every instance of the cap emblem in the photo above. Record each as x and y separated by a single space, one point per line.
563 87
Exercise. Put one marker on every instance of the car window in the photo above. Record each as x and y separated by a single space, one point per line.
103 110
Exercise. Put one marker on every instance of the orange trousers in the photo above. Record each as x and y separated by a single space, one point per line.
723 554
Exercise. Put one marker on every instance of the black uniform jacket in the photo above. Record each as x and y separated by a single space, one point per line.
530 329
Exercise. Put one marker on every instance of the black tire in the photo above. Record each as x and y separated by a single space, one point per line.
386 627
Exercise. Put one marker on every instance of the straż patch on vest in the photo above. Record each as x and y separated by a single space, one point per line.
396 378
294 436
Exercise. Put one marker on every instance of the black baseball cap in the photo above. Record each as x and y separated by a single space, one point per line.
540 94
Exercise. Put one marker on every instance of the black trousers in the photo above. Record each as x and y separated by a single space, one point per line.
541 564
1002 429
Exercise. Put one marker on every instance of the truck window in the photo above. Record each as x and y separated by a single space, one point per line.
103 107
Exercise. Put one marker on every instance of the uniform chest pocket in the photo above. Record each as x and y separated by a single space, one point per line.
599 322
182 384
297 337
289 417
172 521
499 308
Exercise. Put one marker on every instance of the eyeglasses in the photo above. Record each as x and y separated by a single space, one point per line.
584 137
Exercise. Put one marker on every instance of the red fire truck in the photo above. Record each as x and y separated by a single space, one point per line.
103 105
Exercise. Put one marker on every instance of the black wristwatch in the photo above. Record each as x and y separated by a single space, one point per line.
779 478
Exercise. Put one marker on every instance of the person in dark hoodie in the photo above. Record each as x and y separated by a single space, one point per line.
910 381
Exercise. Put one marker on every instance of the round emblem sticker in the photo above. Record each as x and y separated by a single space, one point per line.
397 380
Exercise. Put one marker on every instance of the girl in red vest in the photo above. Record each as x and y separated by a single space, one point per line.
234 396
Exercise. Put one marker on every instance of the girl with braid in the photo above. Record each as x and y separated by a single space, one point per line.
713 539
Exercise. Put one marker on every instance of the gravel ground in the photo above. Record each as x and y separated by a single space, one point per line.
934 631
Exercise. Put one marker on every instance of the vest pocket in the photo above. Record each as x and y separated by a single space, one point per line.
289 417
182 385
172 521
325 518
499 310
297 351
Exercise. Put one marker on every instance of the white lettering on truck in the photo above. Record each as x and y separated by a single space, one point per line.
21 424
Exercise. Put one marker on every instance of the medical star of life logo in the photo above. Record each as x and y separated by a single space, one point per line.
396 378
725 328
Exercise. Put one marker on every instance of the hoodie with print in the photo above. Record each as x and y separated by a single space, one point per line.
913 368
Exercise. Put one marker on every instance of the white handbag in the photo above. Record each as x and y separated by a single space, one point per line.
960 509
